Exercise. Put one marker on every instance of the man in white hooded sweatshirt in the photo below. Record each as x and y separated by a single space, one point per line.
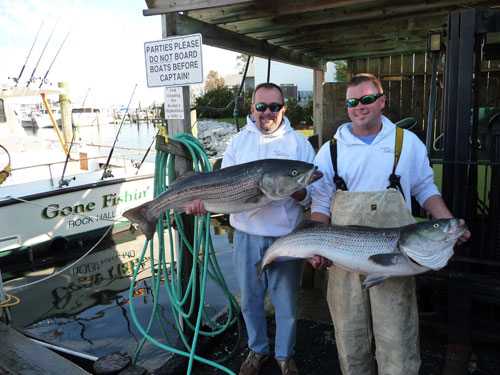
267 135
366 158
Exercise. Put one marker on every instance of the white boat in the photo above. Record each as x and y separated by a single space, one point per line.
43 120
42 211
89 116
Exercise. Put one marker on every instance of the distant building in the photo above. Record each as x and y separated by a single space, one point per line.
234 80
295 81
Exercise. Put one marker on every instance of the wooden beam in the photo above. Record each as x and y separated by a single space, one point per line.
221 38
156 7
260 9
288 27
382 44
346 54
345 32
172 147
323 10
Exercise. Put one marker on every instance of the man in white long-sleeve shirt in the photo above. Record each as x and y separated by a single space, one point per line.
366 150
267 135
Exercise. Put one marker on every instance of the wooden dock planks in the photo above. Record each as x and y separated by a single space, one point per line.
20 355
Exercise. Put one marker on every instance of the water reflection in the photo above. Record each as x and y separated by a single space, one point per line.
86 306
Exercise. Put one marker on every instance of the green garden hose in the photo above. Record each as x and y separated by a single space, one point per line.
204 265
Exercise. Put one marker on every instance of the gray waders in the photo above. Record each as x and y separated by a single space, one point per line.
386 312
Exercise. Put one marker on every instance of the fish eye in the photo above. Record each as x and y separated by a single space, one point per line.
294 172
436 225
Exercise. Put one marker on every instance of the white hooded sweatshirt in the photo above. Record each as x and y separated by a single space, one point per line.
366 167
278 217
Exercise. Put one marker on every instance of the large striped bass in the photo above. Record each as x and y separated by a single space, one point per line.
380 253
235 189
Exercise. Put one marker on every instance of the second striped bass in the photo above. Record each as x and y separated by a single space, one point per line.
380 253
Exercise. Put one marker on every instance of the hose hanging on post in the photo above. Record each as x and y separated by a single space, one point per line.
204 261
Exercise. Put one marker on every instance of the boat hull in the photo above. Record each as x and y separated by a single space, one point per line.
51 220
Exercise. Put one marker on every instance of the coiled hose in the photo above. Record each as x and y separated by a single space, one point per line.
204 261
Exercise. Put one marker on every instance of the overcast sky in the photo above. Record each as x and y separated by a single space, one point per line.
104 50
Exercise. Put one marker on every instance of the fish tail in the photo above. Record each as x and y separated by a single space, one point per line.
141 215
260 270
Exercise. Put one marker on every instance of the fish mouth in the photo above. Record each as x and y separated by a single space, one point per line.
311 176
454 230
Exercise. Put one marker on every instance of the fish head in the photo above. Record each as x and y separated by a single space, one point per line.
430 243
282 178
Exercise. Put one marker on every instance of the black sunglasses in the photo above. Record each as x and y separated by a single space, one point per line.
367 99
274 107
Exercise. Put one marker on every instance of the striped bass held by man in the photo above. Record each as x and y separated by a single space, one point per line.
228 190
380 253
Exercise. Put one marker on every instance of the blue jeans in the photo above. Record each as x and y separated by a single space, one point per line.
282 279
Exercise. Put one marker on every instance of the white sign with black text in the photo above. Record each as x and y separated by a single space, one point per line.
174 61
174 103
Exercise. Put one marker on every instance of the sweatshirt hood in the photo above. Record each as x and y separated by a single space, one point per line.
284 128
344 133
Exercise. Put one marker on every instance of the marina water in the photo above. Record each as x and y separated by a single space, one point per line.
85 306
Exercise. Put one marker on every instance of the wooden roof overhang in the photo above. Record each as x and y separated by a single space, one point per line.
310 33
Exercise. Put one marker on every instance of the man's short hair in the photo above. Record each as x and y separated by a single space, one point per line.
365 77
268 85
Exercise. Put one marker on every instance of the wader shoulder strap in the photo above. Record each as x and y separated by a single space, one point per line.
395 179
337 180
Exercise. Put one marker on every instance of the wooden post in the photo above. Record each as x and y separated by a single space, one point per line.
334 108
318 80
65 107
182 165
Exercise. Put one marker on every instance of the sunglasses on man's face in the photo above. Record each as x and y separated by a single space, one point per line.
366 99
274 107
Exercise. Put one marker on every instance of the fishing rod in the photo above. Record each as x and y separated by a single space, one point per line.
107 173
62 181
29 54
147 152
43 51
55 57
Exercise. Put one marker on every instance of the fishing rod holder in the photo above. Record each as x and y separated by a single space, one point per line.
107 174
65 181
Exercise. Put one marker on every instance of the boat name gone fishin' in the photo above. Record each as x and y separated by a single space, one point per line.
108 200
